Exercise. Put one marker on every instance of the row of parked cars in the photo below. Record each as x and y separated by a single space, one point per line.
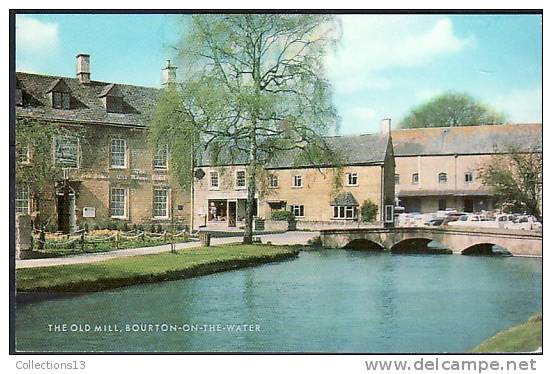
461 219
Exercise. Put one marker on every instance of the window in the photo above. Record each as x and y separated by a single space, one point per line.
22 201
442 204
66 151
468 177
352 179
160 161
161 203
298 210
240 179
273 181
214 179
118 153
415 178
23 154
389 216
345 212
61 100
118 203
297 181
442 177
397 178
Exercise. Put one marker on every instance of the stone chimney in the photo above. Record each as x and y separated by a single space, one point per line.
385 126
83 68
169 74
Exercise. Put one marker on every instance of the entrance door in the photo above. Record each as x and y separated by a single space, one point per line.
468 205
231 214
67 220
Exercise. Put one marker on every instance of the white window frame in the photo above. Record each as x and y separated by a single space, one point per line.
417 181
211 185
439 178
389 214
125 154
351 176
299 207
271 180
343 212
167 203
237 186
54 146
27 153
397 179
295 179
27 207
125 203
470 174
157 157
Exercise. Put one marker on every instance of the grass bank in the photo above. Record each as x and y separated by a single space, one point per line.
526 337
127 271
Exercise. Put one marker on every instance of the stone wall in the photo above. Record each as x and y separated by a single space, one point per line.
23 236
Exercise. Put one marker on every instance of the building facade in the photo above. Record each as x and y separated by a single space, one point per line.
308 191
109 172
437 168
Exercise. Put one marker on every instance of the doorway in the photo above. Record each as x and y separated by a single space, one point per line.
232 214
66 217
468 205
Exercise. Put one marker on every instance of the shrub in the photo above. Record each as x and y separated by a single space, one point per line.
159 229
368 211
126 227
152 228
282 215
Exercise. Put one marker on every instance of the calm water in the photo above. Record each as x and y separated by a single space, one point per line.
327 301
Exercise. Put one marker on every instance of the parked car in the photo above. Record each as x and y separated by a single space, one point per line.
524 223
435 222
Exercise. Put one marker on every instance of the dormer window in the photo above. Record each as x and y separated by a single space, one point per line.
112 99
60 95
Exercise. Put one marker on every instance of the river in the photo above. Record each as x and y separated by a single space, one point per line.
323 301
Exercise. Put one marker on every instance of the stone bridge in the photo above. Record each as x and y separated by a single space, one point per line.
472 240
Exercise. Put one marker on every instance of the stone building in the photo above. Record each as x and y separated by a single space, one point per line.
110 174
307 190
437 168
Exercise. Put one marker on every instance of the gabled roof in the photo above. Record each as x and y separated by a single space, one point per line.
58 85
86 107
487 139
344 199
111 90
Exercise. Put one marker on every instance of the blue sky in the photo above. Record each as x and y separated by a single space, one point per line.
384 65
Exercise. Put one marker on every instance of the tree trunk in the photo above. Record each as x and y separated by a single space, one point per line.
251 188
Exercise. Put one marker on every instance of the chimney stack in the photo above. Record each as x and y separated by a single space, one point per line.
83 68
385 127
169 74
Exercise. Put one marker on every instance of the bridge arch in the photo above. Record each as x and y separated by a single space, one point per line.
419 245
485 249
364 245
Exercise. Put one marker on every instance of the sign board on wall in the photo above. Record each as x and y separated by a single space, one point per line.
89 212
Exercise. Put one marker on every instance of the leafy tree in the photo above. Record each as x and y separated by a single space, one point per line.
256 90
516 179
452 109
35 167
368 211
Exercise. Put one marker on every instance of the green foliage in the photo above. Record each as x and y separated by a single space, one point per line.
452 109
515 179
368 211
282 215
256 89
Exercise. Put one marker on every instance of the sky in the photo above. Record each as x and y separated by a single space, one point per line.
383 66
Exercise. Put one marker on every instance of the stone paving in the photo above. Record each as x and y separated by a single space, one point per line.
289 238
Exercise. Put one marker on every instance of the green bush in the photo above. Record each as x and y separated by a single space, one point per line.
159 229
368 211
152 228
282 215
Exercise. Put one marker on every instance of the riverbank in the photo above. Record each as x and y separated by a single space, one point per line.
120 272
526 337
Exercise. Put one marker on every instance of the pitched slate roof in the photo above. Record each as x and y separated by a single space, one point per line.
354 149
486 139
344 199
86 103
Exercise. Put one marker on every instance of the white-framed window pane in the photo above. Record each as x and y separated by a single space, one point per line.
468 177
161 202
352 178
273 181
22 152
118 152
240 178
66 151
22 199
415 178
214 179
297 181
298 210
336 212
442 177
118 202
349 212
160 161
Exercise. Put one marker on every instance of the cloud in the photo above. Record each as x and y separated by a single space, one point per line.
521 105
373 45
34 37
